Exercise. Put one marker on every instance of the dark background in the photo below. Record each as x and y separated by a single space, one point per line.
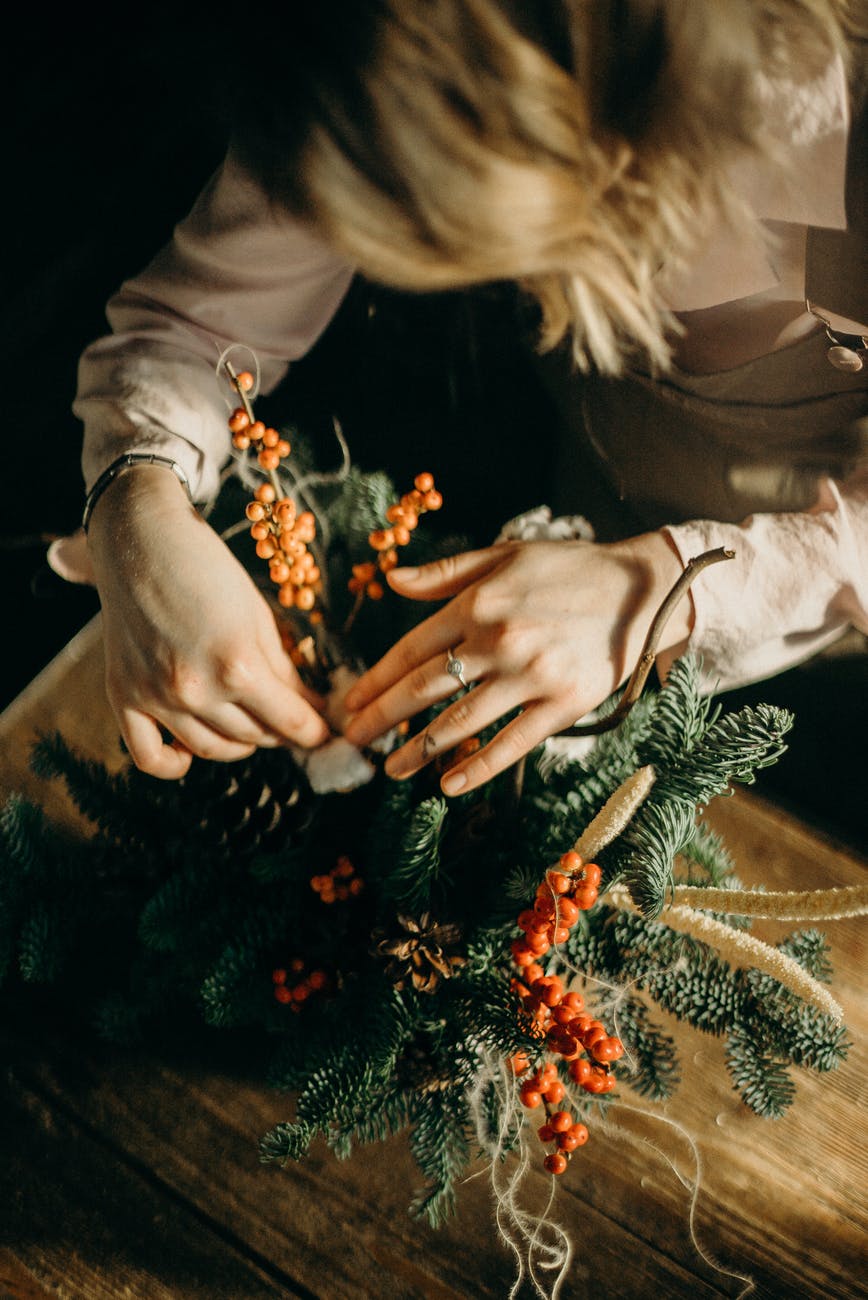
108 137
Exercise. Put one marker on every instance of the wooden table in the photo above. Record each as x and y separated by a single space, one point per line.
129 1175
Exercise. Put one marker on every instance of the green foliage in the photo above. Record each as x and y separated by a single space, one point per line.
697 754
191 897
439 1143
285 1142
706 851
653 1068
408 885
762 1081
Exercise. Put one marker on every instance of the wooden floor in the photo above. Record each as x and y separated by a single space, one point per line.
136 1175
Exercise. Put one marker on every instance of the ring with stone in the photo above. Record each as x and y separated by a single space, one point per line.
455 668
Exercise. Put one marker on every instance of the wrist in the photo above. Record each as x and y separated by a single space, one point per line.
149 468
660 564
670 567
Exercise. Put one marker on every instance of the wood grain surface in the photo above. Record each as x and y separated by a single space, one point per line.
136 1174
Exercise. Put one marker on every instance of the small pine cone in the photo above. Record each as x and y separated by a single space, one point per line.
418 955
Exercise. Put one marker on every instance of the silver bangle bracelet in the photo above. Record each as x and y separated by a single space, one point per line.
128 461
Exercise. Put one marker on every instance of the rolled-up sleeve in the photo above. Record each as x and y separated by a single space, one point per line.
797 582
236 271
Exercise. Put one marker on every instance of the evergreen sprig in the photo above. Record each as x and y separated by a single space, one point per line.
697 754
196 891
416 868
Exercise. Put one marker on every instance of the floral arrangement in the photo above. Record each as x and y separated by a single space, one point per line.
468 970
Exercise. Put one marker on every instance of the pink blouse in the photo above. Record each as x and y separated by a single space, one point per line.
238 271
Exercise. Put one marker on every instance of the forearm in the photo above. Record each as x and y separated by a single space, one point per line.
235 272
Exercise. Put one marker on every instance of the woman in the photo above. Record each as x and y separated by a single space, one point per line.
669 181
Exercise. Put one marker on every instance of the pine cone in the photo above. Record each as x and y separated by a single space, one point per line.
418 954
242 808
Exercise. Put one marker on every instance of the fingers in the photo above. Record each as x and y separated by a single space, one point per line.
402 693
467 717
517 738
289 715
430 640
401 683
144 741
267 711
445 577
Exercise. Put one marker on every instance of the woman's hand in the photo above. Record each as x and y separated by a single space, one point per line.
552 628
192 648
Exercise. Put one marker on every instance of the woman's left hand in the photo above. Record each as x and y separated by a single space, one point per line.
550 628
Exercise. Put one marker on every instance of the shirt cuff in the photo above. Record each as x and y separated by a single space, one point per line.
786 595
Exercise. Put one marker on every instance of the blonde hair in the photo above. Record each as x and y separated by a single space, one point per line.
567 145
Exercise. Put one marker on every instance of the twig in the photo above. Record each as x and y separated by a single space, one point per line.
639 675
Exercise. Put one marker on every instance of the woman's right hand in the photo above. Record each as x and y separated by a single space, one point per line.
192 648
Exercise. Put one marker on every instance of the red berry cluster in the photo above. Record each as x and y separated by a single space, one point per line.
282 536
402 517
293 987
249 432
561 1127
339 884
281 532
559 899
559 1016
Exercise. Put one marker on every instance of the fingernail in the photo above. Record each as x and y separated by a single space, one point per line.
406 575
453 783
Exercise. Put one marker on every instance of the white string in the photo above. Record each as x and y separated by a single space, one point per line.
220 371
619 993
539 1244
692 1185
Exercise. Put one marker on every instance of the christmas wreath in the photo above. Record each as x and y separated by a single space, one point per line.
483 972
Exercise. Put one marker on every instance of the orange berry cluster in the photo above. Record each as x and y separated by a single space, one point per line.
248 432
282 535
559 1016
293 987
559 899
561 1127
402 517
280 530
339 884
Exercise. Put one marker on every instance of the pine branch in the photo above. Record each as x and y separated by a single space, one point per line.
652 1066
706 850
438 1141
43 945
763 1082
647 850
417 866
231 992
731 749
285 1142
681 716
24 841
810 949
108 800
481 1008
